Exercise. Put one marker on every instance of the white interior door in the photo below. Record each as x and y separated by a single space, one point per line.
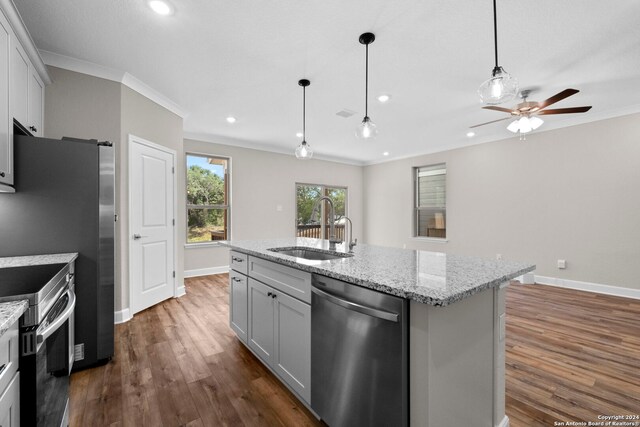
151 224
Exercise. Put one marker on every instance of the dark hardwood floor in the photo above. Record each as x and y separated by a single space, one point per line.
570 356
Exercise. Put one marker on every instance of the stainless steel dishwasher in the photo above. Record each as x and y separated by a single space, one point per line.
359 355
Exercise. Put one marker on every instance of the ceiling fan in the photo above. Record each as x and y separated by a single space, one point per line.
526 112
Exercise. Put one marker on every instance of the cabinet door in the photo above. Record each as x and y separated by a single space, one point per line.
36 103
6 137
292 355
10 404
19 83
261 330
238 304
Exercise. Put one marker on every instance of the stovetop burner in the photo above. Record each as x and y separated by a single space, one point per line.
26 280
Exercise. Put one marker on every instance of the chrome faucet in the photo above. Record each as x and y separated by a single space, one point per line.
332 227
352 242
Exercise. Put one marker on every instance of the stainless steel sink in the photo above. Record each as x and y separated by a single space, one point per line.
310 253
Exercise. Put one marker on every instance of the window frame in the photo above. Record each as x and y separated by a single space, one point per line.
323 213
416 203
226 206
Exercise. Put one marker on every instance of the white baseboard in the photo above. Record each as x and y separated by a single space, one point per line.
589 287
181 291
206 271
122 316
504 422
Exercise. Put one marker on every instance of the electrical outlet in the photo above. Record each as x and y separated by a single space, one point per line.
404 246
78 352
562 264
498 257
278 208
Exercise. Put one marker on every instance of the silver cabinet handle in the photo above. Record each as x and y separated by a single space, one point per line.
236 279
369 311
138 237
237 259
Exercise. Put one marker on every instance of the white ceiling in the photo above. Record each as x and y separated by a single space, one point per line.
244 58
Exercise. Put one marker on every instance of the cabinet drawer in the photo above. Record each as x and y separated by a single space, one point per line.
291 281
238 262
9 353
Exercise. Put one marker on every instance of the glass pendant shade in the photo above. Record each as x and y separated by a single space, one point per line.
367 129
501 87
304 151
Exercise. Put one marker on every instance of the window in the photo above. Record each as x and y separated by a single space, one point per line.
208 204
431 201
308 225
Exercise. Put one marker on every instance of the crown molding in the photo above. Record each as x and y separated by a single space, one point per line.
21 32
234 142
96 70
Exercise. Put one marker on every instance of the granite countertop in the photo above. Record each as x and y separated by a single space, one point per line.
433 278
10 312
21 261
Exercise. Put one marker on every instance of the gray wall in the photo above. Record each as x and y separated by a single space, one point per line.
84 106
259 182
568 194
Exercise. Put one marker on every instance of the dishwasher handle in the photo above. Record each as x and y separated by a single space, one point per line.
369 311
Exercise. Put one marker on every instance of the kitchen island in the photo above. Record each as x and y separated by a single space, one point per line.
456 319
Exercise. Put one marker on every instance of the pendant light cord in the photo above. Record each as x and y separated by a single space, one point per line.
304 114
366 82
495 31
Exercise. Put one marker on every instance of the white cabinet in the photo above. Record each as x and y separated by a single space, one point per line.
6 139
238 304
27 90
19 73
272 317
10 404
280 333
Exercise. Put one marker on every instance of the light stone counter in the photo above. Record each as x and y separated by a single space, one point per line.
10 312
432 278
21 261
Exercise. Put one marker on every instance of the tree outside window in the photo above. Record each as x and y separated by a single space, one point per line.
208 205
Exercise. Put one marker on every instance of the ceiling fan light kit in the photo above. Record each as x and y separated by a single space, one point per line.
304 151
501 86
526 112
367 128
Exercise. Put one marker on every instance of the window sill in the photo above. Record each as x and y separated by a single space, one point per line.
431 239
205 244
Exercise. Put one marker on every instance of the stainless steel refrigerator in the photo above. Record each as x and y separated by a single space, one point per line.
64 202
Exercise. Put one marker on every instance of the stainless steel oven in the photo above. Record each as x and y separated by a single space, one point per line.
46 351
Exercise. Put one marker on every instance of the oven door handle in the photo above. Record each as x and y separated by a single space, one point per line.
71 305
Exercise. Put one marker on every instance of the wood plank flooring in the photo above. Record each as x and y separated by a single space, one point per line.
570 356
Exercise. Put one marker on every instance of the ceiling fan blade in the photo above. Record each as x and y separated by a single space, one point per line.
557 97
566 110
492 107
492 121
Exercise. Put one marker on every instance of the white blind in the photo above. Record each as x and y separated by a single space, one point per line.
432 186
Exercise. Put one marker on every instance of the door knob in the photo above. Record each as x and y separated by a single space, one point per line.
137 237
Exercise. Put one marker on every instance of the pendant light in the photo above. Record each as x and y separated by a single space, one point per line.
502 86
304 150
367 128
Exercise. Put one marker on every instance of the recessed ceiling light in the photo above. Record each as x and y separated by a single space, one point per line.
386 153
231 119
471 134
161 7
384 98
299 134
